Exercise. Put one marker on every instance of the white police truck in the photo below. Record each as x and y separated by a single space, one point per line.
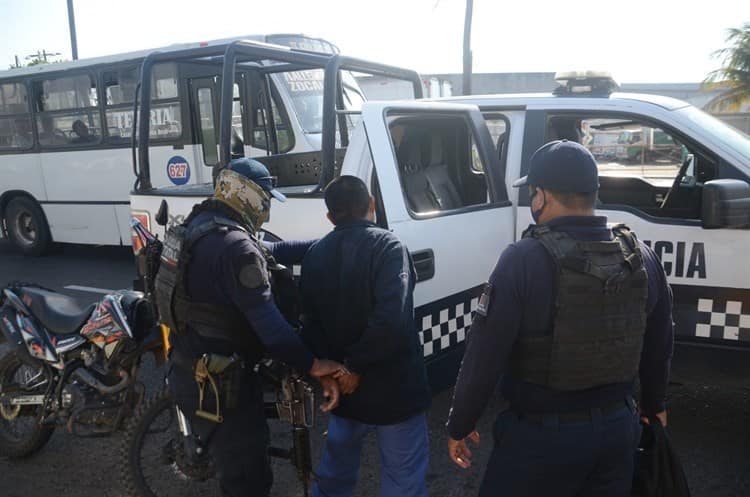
441 173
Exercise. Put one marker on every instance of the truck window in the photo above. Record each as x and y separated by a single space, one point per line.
498 126
439 168
639 163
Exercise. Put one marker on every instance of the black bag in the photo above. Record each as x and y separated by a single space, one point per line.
658 472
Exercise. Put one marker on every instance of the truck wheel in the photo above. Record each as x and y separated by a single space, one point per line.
27 227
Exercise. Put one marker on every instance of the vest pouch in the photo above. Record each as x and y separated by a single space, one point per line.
168 276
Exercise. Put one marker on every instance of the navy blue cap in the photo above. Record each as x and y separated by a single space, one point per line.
258 173
562 166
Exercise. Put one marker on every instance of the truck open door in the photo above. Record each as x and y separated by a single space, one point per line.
442 192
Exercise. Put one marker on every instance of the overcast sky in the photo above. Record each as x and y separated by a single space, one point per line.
637 40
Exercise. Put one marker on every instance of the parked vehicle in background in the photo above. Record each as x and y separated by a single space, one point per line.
66 132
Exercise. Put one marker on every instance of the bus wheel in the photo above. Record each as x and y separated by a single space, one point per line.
27 227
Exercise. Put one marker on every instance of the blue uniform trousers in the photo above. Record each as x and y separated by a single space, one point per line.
404 456
546 458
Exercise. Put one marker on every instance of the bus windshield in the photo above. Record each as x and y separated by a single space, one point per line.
305 88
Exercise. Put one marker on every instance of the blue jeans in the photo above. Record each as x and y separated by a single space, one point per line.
404 456
548 459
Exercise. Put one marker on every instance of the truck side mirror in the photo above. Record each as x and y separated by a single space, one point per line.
726 204
162 215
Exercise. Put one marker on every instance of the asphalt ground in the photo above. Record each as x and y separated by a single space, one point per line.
709 403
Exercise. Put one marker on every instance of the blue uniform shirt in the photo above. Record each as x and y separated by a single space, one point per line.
214 277
523 301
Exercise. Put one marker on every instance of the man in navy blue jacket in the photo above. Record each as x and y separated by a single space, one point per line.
572 313
357 284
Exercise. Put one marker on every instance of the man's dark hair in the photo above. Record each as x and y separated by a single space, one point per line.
347 199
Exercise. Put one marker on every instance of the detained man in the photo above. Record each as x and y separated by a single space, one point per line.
357 287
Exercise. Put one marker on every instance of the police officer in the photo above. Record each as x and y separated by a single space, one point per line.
572 313
214 291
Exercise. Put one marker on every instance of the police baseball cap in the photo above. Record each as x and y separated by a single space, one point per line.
257 173
562 166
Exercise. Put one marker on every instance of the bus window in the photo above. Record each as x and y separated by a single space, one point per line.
280 119
238 135
119 92
15 120
67 111
164 83
207 127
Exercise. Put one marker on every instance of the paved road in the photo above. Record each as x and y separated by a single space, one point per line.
98 268
709 401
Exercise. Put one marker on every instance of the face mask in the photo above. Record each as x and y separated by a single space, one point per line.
244 196
536 214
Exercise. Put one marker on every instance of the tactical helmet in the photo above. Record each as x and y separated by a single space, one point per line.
246 186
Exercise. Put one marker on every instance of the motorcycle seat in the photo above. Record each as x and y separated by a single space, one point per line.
58 313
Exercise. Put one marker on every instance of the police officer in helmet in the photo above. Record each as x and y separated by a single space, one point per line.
572 313
214 291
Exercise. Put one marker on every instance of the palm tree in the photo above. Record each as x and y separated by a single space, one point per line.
735 73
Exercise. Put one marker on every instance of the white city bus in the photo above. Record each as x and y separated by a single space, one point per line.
66 131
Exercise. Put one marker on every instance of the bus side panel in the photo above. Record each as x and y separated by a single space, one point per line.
101 175
300 218
296 219
22 172
82 223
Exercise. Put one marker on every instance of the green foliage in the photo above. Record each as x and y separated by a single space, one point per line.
735 71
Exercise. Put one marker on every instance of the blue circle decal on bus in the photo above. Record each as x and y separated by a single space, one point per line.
178 170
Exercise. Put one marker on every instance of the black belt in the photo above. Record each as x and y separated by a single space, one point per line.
582 416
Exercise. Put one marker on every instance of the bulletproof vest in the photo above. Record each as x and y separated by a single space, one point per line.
600 314
177 310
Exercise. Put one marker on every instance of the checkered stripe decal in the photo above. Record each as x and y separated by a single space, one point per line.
446 327
723 320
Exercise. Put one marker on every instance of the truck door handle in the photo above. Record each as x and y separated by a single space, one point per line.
424 264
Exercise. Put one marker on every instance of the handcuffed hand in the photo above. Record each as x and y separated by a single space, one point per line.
348 381
459 452
324 367
661 416
330 392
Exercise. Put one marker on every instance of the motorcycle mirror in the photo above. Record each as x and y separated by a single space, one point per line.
162 216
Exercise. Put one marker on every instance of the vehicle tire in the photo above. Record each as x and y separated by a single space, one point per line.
156 417
27 227
12 443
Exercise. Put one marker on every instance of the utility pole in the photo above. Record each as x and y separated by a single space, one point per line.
72 24
40 55
467 47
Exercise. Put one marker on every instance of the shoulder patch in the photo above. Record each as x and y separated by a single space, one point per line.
484 300
252 273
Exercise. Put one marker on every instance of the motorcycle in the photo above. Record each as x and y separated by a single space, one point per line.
67 365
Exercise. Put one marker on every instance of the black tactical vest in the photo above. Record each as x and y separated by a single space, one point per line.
177 310
600 314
